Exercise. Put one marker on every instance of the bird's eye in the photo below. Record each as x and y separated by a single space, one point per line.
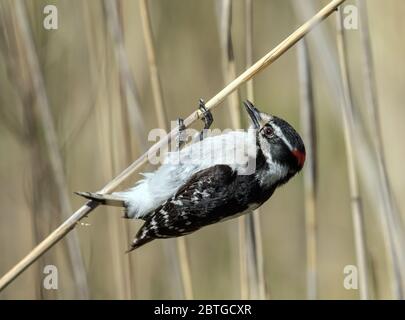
268 131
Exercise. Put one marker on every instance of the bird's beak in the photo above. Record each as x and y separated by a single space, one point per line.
254 114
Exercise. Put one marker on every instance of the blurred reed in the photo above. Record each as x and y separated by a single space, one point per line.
47 127
363 156
26 133
224 15
254 246
129 103
388 201
129 150
181 255
350 143
131 94
308 125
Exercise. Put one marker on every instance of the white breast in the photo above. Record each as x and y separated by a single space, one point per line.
275 173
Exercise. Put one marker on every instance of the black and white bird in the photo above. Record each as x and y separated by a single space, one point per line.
212 180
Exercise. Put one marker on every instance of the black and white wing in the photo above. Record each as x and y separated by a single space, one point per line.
209 196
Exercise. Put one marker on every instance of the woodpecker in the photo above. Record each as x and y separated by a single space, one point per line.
201 184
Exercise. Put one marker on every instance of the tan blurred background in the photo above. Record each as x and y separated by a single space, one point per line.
82 84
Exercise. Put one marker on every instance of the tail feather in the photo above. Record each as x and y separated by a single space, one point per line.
106 199
138 242
142 237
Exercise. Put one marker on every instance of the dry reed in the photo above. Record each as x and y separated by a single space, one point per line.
308 125
28 136
132 96
254 246
229 72
350 143
128 154
50 136
129 101
371 98
364 157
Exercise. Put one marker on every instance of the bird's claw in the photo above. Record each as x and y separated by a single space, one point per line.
181 139
206 116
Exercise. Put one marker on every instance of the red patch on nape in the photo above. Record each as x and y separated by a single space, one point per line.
300 156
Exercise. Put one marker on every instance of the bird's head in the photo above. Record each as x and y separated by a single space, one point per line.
278 140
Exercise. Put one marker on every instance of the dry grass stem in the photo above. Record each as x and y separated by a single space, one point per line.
350 141
26 133
131 92
228 57
370 90
229 73
308 125
128 155
153 68
83 211
254 246
367 169
129 104
50 136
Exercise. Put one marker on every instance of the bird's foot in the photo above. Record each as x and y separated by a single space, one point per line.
206 117
181 137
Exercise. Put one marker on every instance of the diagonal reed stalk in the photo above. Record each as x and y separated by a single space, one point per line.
181 256
308 125
350 142
370 91
50 136
254 246
83 211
